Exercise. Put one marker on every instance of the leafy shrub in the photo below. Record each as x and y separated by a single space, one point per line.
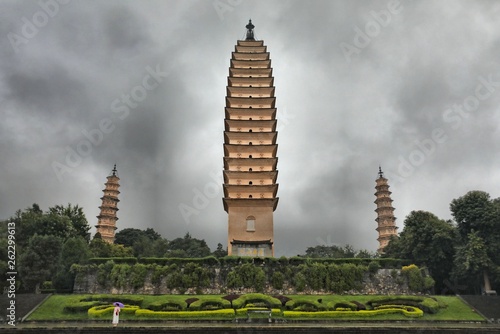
103 271
138 275
167 306
416 281
209 304
299 282
256 298
159 272
305 305
248 276
373 267
277 280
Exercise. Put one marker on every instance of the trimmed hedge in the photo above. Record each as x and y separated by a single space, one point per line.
168 306
162 261
107 310
81 307
255 298
305 305
345 305
408 311
427 304
133 300
117 260
209 303
202 315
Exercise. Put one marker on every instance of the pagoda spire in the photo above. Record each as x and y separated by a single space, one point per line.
250 27
106 223
385 212
250 150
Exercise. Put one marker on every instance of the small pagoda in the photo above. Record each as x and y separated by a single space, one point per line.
106 223
385 212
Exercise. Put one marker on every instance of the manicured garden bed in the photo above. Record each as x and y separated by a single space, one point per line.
228 308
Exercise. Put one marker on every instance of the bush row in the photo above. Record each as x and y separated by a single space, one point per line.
235 260
427 304
327 275
408 311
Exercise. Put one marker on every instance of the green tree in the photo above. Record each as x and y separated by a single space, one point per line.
426 240
74 250
101 248
38 263
189 247
334 251
128 236
76 217
220 251
477 213
472 262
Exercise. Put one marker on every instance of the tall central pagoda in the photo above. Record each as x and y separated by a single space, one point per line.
250 149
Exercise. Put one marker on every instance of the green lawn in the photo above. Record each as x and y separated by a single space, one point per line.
453 308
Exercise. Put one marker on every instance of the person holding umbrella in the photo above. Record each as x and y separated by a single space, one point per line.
116 313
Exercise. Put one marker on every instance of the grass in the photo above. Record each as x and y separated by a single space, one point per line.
456 310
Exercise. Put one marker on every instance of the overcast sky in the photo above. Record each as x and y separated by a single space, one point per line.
413 86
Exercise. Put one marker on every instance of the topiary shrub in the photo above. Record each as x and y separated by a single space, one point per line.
345 305
170 305
214 303
257 299
305 305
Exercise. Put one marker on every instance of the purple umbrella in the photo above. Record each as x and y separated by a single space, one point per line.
120 305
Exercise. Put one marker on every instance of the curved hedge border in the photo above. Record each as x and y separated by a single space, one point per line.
303 305
202 304
107 310
427 304
133 300
251 298
81 306
168 306
346 305
408 311
203 315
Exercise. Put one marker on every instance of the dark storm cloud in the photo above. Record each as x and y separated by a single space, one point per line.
340 116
